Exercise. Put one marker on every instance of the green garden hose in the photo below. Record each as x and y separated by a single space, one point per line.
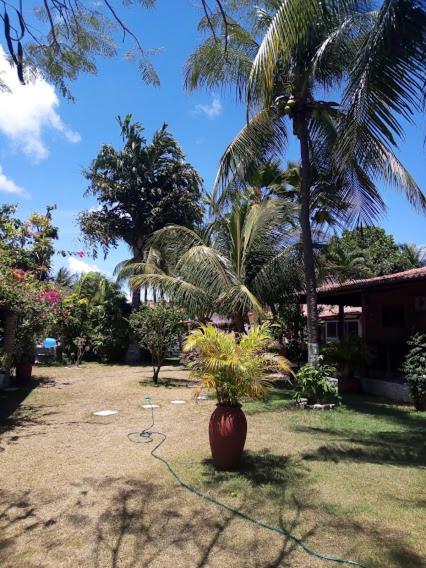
147 436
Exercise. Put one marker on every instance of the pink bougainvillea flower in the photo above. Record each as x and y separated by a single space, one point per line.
18 273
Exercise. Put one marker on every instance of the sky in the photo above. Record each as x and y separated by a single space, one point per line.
46 141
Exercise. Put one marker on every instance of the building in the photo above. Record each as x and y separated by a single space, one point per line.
329 322
393 309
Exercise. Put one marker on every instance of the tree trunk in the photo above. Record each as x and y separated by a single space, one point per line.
238 323
156 374
9 338
301 130
136 292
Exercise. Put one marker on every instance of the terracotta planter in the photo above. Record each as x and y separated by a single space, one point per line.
420 402
227 434
24 372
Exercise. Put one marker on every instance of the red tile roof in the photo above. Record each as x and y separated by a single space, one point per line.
406 276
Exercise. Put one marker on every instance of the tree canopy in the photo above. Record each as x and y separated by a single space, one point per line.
139 188
366 252
63 38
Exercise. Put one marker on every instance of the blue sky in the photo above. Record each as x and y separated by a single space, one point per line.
45 141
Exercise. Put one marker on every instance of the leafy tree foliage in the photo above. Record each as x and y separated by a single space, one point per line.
26 249
29 243
281 55
233 267
158 329
363 253
414 369
94 314
140 189
63 38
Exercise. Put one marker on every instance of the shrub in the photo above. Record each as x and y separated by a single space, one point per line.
157 329
315 384
414 368
350 355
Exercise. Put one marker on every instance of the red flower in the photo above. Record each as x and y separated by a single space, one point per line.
18 273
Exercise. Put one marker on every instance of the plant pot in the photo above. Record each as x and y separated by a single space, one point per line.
24 372
349 385
227 434
420 402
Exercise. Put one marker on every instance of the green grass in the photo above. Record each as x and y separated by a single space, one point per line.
356 472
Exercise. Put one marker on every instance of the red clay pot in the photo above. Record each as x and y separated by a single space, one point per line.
227 434
24 372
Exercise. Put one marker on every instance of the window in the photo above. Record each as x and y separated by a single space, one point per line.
393 316
331 330
351 328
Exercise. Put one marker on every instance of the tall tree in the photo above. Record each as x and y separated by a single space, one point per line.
232 267
280 56
366 252
140 189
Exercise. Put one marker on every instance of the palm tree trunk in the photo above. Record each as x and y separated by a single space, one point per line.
136 292
301 130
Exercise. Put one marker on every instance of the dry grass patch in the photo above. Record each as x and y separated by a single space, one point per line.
75 491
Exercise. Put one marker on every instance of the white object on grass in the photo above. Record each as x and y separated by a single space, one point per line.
105 412
150 406
177 401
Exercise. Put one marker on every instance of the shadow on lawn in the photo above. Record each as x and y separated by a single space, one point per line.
160 529
272 472
405 447
393 448
112 522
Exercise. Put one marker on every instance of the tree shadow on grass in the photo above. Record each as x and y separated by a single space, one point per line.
380 408
406 448
272 472
114 522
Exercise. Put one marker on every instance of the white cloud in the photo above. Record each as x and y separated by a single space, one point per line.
77 266
212 110
9 186
27 110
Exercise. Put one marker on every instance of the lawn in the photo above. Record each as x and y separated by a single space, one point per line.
76 492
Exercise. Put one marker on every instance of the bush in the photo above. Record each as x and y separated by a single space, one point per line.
315 384
350 355
414 368
158 329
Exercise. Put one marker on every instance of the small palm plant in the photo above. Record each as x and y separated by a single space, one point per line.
236 366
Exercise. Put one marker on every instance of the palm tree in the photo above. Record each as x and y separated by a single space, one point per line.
65 279
232 267
342 264
415 255
292 51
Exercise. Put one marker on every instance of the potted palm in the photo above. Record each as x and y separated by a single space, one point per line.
236 367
